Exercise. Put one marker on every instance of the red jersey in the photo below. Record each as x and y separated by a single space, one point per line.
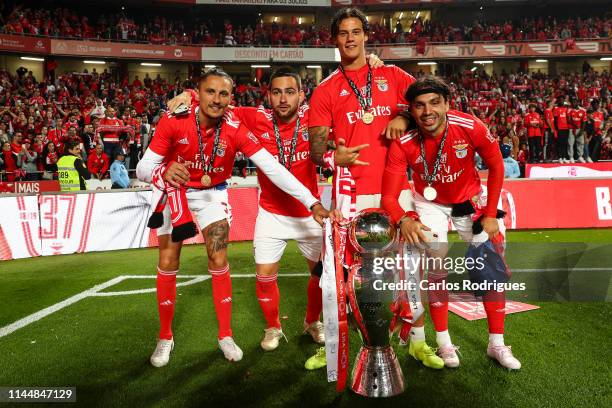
598 118
577 118
548 114
334 104
272 198
112 137
534 123
457 179
37 100
561 114
97 164
176 138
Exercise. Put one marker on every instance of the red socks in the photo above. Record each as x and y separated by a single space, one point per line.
314 304
166 297
222 298
494 304
269 298
438 302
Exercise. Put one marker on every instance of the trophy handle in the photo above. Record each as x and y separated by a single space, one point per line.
350 287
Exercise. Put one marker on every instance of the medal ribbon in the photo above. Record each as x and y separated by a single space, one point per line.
279 143
429 179
366 102
213 155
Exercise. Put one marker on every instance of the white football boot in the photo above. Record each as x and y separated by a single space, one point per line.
161 355
449 355
230 349
271 338
316 331
503 355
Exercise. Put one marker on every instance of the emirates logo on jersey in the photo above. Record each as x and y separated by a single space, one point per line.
298 156
353 117
445 178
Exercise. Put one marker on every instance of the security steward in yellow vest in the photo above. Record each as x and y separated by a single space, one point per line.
71 170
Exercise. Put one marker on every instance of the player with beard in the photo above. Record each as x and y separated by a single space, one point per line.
195 152
440 152
280 216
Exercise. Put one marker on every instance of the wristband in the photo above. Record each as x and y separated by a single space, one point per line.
329 159
410 214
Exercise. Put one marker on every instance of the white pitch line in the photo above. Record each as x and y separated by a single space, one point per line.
6 330
192 281
95 292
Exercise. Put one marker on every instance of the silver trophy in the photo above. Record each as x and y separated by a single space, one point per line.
376 372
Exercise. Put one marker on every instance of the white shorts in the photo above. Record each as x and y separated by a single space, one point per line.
207 206
437 216
272 231
373 200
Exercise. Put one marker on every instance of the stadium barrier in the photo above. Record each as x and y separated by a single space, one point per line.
55 223
579 170
585 47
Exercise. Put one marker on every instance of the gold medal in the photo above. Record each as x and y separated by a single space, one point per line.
367 118
206 180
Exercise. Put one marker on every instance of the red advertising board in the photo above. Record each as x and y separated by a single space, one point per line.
103 49
468 307
580 203
496 50
20 43
29 186
560 170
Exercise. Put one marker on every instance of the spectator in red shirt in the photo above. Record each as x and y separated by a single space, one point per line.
550 134
577 116
561 113
16 143
9 161
136 83
533 122
596 122
110 138
98 163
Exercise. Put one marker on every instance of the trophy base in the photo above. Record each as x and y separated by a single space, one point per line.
377 373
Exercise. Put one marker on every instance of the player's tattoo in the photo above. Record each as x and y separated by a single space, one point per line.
217 235
318 143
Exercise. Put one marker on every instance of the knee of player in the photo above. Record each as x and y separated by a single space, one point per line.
217 261
168 264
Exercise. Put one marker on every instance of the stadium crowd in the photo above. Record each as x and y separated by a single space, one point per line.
69 23
537 116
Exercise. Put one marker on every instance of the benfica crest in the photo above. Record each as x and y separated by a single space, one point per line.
460 150
305 135
382 85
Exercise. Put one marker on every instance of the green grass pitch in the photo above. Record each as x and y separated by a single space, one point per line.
102 344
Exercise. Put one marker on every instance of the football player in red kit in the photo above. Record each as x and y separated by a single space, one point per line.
359 105
281 217
440 153
196 152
